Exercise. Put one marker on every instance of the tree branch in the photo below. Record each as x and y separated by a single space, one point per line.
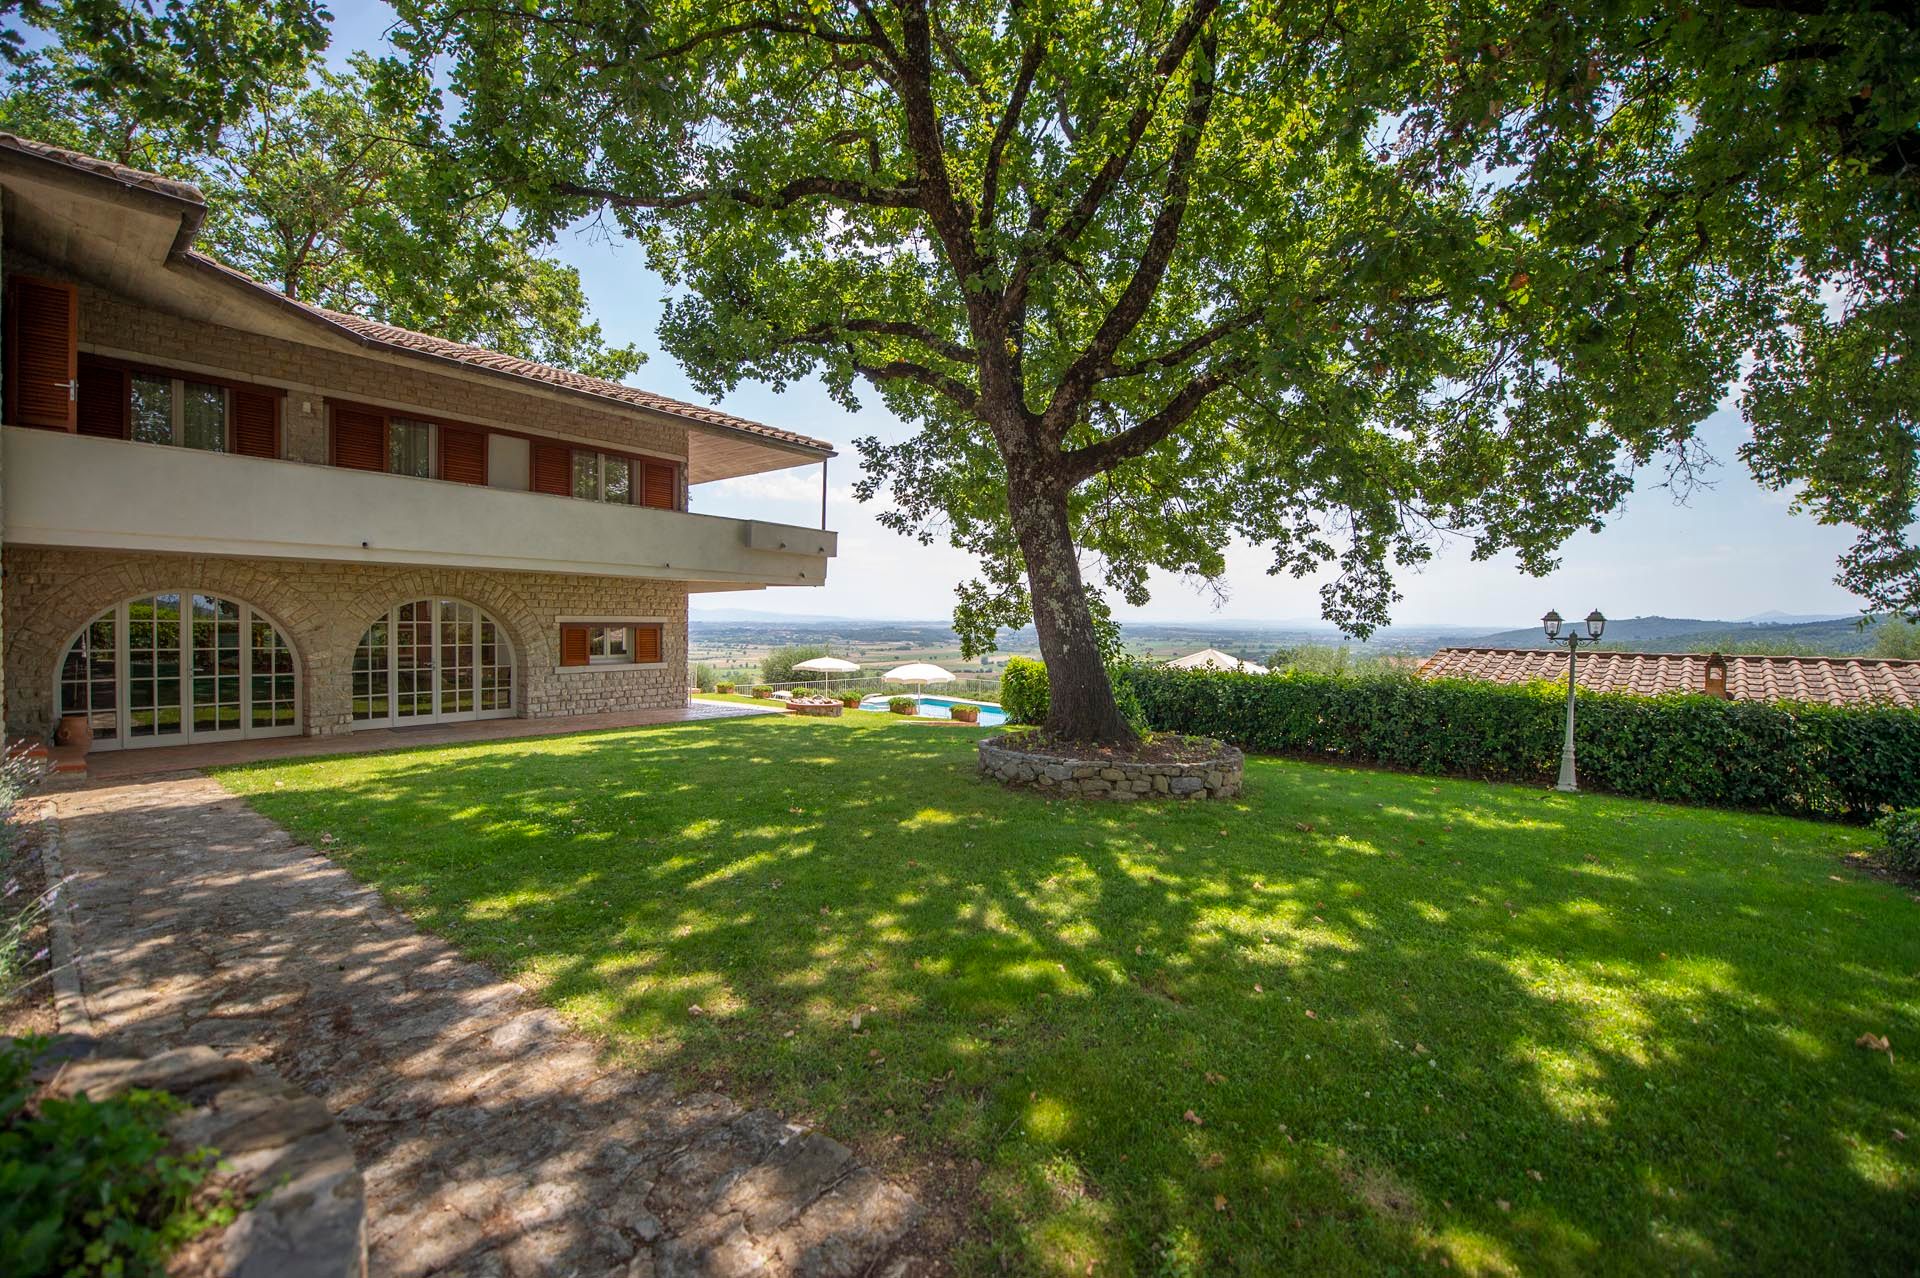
1009 121
1185 351
848 190
906 370
1093 459
959 352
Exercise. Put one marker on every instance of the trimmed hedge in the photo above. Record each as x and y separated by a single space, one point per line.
1814 760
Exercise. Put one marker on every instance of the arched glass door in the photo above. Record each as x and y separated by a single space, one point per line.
431 661
180 666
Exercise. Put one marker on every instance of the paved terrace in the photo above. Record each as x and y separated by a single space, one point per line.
493 1139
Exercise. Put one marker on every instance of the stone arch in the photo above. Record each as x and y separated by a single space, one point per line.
505 609
43 618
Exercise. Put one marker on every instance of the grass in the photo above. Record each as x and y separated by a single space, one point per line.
1356 1020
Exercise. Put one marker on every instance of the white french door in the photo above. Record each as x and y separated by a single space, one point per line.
179 667
431 661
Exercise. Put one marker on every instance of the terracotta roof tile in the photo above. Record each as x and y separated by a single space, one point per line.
173 188
1833 680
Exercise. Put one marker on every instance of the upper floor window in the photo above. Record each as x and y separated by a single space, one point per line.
176 410
602 477
410 448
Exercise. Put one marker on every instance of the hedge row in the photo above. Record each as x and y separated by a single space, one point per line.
1811 760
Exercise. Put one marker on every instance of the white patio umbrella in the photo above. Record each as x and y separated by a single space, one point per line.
1214 659
919 673
828 665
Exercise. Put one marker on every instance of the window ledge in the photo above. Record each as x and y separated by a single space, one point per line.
601 667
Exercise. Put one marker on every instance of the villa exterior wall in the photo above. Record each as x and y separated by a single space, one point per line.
324 608
116 326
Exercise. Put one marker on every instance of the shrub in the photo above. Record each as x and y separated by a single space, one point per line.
725 686
1808 759
777 666
1023 690
902 705
965 714
90 1187
1902 831
851 700
763 690
703 676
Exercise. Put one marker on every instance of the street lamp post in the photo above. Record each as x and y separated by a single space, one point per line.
1596 626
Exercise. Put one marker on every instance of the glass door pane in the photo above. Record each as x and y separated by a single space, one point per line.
216 665
270 666
153 667
370 669
456 658
413 660
89 677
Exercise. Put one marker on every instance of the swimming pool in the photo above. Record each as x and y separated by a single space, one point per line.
991 715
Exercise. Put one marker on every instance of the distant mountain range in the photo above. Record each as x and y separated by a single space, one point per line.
1819 635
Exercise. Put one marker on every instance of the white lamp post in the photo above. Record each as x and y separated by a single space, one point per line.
1596 626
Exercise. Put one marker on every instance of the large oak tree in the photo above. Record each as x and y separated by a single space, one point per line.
1335 277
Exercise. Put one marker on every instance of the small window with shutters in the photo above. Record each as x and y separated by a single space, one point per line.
42 340
611 643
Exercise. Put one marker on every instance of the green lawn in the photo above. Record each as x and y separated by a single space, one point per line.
1355 1020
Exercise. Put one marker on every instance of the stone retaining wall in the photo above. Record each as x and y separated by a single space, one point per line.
1215 778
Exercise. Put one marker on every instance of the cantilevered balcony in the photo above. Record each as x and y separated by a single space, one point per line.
73 490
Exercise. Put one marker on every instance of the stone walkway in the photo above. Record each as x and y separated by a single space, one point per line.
492 1139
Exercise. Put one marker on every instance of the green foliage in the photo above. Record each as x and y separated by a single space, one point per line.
724 686
1811 760
902 705
1324 658
851 700
763 690
778 665
90 1187
1902 831
1898 639
312 187
1023 690
703 676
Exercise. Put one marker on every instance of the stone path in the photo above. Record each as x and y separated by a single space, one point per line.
492 1139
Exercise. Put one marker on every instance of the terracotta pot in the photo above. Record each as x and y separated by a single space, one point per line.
74 730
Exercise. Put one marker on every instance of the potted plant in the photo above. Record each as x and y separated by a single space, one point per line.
763 690
965 714
724 686
902 705
851 700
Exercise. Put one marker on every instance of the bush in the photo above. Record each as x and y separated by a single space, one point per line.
1902 831
902 705
90 1187
763 690
965 714
725 686
1808 759
703 677
777 666
851 700
1023 690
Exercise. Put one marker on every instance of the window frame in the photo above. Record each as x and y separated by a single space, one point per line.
177 384
631 626
600 649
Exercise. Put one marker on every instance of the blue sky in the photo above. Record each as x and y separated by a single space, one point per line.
1733 550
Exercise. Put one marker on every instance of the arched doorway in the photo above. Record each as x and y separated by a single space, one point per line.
432 661
180 666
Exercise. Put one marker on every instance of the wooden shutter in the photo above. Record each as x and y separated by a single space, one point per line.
359 439
106 399
553 469
256 422
463 455
573 646
661 488
43 353
646 644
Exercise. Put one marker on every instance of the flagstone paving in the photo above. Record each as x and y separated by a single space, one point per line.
493 1139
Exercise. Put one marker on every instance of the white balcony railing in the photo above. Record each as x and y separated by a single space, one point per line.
72 490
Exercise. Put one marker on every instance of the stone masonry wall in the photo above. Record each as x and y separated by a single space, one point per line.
1220 777
324 608
117 326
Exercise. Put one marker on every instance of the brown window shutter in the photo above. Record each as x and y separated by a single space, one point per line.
105 401
553 469
359 439
646 644
573 645
662 487
43 352
463 455
256 422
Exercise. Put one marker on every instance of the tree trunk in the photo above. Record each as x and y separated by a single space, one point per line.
1080 696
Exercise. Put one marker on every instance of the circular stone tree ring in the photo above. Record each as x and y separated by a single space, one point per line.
1202 769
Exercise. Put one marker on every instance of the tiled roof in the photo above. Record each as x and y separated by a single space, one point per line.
1834 680
406 340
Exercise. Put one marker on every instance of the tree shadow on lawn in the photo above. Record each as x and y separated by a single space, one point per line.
1414 1019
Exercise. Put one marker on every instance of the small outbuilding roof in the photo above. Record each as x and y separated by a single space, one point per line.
1837 681
1214 659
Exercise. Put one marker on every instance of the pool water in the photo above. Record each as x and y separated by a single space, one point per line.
991 715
